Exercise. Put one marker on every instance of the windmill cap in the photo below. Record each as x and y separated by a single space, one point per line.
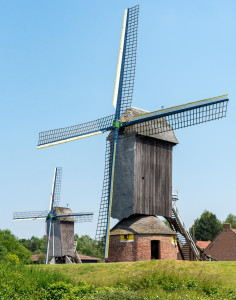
141 224
64 211
131 112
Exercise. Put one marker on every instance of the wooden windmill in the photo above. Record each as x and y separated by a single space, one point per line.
59 223
138 162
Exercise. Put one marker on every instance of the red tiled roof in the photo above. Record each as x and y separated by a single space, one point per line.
203 244
85 257
35 257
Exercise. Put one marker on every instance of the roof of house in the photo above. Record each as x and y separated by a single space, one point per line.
202 244
227 227
36 257
141 224
85 257
160 123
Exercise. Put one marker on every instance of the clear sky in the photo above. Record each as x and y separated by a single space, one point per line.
57 68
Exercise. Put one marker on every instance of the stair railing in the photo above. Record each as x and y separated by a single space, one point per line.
183 228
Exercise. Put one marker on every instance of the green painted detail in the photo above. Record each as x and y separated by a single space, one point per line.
116 124
50 216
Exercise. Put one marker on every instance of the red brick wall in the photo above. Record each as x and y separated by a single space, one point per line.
224 246
140 249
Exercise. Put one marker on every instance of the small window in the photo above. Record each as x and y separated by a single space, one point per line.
126 238
155 250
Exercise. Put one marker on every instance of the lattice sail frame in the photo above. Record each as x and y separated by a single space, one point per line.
30 215
103 210
75 132
57 188
180 117
125 79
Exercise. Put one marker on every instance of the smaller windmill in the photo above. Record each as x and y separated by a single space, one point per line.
59 223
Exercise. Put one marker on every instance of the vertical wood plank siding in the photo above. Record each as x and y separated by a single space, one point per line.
152 176
67 238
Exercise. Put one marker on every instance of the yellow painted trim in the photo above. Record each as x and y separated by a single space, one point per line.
179 105
68 140
130 237
119 57
173 240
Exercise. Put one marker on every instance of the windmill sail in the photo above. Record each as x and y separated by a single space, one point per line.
179 116
76 217
124 85
57 186
72 133
30 215
103 211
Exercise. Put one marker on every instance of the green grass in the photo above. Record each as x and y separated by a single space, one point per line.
139 280
108 274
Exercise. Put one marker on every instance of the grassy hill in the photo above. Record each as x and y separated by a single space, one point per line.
139 280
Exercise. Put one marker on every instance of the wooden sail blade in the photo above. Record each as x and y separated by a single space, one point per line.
179 116
30 215
79 217
56 188
72 133
124 84
103 210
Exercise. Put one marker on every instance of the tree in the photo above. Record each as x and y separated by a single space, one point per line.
10 245
87 246
232 220
207 227
34 244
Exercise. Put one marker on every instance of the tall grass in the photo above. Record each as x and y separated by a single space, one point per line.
141 280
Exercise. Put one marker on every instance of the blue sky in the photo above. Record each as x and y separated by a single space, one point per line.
57 68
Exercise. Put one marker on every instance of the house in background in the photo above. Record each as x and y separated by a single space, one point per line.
223 247
84 259
203 244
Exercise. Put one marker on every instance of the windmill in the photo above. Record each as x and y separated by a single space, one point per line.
59 222
129 122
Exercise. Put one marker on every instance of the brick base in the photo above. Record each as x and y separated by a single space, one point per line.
140 248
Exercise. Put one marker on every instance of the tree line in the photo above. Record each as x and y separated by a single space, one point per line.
205 228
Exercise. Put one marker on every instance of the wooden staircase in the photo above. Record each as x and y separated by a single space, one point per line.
187 247
188 250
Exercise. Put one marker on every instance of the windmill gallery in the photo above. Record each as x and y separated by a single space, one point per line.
137 184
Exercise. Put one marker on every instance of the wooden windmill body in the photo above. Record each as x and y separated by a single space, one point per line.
59 224
61 242
143 173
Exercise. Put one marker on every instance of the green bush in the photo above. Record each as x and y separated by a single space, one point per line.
10 245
